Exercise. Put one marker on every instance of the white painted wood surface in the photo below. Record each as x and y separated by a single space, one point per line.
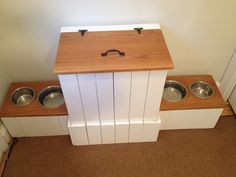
122 132
88 90
104 83
154 94
190 119
125 99
40 126
136 131
4 133
78 133
71 92
139 84
14 126
151 130
36 126
94 133
108 133
64 124
122 83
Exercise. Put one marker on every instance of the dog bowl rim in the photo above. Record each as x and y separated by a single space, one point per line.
202 82
182 85
45 88
19 88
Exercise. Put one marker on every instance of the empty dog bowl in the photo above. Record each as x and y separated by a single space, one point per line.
201 89
22 96
51 97
174 91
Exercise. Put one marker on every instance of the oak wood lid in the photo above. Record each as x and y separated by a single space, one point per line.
83 54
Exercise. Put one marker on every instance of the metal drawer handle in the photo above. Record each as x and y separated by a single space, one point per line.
113 50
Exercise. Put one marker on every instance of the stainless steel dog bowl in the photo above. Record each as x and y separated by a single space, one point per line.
201 89
174 91
22 96
51 97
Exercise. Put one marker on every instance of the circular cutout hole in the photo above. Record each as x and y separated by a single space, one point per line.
51 97
174 91
22 96
201 89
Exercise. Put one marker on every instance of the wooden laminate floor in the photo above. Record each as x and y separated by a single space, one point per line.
178 153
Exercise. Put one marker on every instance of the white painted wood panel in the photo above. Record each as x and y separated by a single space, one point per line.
35 126
136 131
154 94
104 83
189 119
64 124
41 126
71 92
151 130
139 83
122 132
78 133
14 126
108 133
122 82
94 133
87 85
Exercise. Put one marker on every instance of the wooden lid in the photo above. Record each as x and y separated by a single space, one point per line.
83 54
191 101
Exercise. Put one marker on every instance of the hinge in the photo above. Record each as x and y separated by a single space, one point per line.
138 30
82 32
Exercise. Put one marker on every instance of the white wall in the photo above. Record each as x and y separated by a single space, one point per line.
200 33
4 136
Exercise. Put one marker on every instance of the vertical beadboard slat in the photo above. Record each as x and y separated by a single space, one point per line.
105 97
87 85
154 94
139 86
122 132
108 133
72 97
136 131
88 90
94 133
122 81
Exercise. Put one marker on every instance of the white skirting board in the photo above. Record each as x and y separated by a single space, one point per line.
122 132
78 133
190 118
110 133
